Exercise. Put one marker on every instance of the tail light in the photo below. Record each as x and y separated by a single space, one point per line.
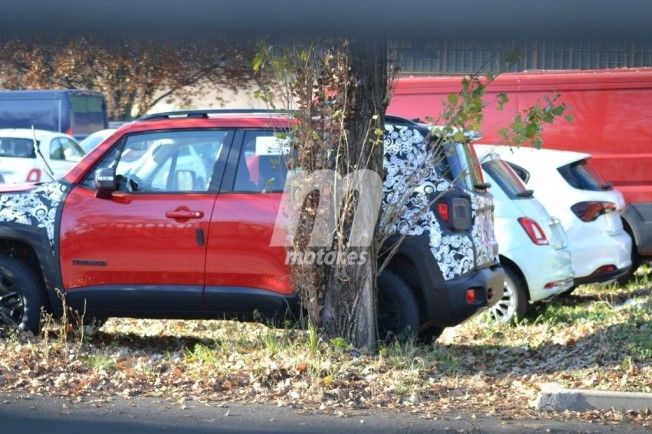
70 132
591 210
455 212
534 231
442 210
33 175
470 296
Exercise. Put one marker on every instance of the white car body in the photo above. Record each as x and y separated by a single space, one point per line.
601 248
20 163
90 142
547 266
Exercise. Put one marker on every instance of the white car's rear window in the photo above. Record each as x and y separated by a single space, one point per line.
17 147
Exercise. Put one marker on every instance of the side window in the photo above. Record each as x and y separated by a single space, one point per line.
65 149
262 167
173 161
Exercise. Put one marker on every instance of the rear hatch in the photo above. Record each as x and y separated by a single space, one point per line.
465 167
524 199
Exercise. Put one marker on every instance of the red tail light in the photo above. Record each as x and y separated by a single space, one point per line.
70 132
534 231
470 296
442 210
591 210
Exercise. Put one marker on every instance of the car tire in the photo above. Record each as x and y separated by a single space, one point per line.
398 308
22 295
514 303
430 335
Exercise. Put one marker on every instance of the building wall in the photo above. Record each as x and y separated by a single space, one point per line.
460 56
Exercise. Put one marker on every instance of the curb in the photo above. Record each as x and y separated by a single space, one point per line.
555 398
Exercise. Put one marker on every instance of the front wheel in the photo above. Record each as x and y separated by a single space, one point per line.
398 308
21 295
514 304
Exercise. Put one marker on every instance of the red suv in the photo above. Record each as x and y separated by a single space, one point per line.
172 216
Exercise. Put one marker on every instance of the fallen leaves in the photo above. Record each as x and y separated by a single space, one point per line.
494 370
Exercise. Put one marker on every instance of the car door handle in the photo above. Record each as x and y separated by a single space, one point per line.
182 214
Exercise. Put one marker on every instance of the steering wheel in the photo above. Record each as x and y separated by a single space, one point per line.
131 183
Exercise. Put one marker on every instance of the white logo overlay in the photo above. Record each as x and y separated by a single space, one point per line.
333 189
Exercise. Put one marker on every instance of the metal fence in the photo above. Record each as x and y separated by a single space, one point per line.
458 56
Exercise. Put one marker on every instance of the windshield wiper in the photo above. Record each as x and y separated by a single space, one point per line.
525 193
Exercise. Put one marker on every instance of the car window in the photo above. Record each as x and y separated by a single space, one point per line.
520 171
582 177
506 178
65 149
262 165
17 147
173 161
464 163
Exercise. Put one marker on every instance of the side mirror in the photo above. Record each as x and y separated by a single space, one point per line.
105 182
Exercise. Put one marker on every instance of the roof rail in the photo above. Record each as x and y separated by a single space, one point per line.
203 114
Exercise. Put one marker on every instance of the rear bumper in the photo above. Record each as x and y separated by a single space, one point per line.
638 217
597 277
592 249
454 309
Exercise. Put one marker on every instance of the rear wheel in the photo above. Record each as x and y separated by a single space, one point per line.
514 303
21 295
398 308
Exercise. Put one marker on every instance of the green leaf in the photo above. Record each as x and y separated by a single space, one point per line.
452 98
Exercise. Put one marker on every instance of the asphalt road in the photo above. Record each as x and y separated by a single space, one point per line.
147 415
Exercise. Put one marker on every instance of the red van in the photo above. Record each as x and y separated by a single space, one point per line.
612 111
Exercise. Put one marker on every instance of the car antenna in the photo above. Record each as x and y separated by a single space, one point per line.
37 149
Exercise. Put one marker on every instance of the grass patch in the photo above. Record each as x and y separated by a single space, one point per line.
600 337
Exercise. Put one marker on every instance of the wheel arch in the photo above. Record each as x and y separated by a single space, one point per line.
30 246
509 263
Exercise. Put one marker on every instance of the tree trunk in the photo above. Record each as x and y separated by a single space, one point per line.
349 308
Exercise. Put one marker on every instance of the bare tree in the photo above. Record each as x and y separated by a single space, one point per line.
134 75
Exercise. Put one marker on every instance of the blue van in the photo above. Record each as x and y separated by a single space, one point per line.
77 113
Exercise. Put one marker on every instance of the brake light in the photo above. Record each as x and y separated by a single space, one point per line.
442 210
591 210
33 175
470 296
70 132
534 231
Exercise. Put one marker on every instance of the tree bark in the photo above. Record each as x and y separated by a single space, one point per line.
350 304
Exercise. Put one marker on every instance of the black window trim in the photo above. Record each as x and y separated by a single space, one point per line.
219 167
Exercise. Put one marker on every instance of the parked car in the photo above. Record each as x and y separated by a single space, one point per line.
91 141
77 113
20 162
618 142
533 246
588 208
148 240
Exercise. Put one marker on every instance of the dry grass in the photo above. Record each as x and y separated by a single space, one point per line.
597 338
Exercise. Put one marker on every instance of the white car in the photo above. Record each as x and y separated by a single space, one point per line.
532 244
90 142
20 163
588 208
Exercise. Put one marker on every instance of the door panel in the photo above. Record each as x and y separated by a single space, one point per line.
239 254
148 237
129 240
